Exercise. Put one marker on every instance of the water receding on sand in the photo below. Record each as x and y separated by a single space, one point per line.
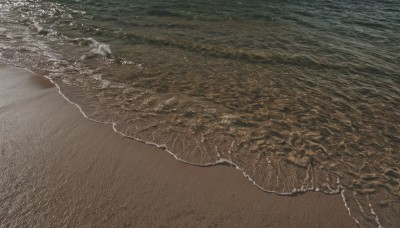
298 96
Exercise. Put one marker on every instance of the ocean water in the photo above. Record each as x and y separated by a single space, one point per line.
298 95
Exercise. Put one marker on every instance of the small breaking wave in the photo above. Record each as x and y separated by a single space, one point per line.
97 48
40 30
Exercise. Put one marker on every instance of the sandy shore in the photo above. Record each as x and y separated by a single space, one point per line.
59 169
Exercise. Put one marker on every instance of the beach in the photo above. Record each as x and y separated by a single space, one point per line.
59 169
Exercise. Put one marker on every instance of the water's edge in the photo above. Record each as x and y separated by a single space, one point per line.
340 189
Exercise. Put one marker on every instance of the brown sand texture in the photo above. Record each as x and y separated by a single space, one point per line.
58 169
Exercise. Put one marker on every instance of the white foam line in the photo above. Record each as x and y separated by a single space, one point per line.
347 207
221 161
375 215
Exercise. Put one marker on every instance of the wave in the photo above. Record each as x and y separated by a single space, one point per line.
338 189
40 30
222 161
97 48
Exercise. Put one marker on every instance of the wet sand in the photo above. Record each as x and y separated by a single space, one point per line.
59 169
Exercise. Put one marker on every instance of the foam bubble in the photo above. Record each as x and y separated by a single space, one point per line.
101 49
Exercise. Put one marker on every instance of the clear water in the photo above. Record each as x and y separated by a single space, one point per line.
299 95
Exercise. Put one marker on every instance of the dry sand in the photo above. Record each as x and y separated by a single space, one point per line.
59 169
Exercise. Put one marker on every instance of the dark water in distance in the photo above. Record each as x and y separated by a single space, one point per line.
299 95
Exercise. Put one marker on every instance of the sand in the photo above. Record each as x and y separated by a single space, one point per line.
59 169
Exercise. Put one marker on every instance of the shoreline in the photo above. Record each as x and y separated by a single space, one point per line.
46 80
59 169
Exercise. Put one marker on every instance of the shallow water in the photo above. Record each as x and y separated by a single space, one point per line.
298 95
